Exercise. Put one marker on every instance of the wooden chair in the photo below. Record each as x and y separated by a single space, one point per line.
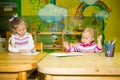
8 34
39 46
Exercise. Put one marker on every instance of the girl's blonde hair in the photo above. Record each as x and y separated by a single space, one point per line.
16 21
90 30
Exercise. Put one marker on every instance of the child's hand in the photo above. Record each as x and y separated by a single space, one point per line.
23 51
99 38
33 50
66 44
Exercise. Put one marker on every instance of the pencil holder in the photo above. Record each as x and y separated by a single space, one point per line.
109 48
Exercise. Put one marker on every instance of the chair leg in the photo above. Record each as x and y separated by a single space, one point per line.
40 76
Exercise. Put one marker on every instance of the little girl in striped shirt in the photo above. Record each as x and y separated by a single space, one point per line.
20 41
87 44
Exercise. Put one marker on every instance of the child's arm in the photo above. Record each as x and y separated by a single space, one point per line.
99 39
31 44
66 45
33 50
11 46
23 51
71 48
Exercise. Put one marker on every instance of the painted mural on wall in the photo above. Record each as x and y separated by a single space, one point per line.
64 15
49 16
103 12
54 15
57 15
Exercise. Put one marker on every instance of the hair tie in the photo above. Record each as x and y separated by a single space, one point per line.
11 19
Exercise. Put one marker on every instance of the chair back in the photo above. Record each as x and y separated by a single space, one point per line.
8 34
39 46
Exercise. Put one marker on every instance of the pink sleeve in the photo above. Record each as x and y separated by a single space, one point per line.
97 49
68 50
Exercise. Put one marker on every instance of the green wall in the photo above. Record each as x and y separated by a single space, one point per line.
112 29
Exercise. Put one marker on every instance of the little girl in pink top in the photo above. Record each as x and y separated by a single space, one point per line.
87 44
20 41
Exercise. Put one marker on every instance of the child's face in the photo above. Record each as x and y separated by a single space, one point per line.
21 29
87 38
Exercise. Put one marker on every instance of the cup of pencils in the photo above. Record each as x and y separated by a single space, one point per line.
109 48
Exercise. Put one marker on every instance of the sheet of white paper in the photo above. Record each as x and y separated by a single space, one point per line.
30 53
60 54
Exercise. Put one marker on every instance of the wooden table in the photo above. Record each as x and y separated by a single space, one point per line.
90 66
16 66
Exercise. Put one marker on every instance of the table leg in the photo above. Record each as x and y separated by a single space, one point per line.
22 76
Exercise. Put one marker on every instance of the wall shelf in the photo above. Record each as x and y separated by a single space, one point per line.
63 34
